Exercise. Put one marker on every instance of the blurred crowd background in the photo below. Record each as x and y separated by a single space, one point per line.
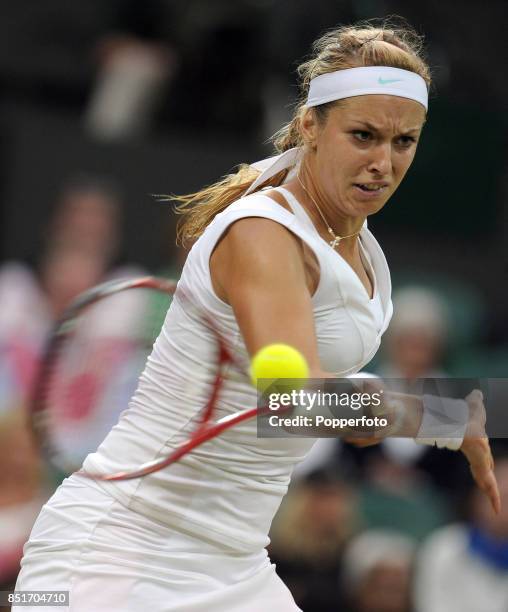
105 103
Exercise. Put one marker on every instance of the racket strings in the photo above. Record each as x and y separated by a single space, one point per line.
91 367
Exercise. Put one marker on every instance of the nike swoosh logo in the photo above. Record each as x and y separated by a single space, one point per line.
387 81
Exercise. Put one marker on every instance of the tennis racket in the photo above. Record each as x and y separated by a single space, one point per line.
90 370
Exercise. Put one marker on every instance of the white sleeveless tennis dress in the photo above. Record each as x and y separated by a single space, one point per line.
192 537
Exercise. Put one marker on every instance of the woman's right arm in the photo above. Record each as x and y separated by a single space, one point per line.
258 268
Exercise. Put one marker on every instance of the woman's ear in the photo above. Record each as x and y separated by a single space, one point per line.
309 127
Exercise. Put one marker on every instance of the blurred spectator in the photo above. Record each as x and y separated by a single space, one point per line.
81 243
396 491
81 240
377 568
415 347
86 218
308 536
79 250
416 338
396 494
464 567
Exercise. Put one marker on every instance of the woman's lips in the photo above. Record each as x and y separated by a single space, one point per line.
371 190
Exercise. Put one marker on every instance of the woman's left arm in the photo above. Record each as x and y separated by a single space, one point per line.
407 412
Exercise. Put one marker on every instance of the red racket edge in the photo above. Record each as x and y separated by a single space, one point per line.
62 330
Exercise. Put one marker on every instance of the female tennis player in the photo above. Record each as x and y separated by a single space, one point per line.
282 253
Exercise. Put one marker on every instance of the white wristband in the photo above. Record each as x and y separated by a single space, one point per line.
444 422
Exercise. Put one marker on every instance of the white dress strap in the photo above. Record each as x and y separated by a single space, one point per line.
297 208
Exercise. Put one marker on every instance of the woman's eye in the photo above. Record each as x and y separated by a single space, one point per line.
362 135
406 141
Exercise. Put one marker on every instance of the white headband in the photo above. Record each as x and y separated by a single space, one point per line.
368 80
377 80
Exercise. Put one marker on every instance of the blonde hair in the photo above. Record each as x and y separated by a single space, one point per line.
344 47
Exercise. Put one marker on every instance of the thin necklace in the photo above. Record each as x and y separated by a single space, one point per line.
335 239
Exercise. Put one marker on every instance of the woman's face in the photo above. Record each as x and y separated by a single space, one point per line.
363 150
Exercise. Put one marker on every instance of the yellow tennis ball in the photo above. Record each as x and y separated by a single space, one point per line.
278 361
